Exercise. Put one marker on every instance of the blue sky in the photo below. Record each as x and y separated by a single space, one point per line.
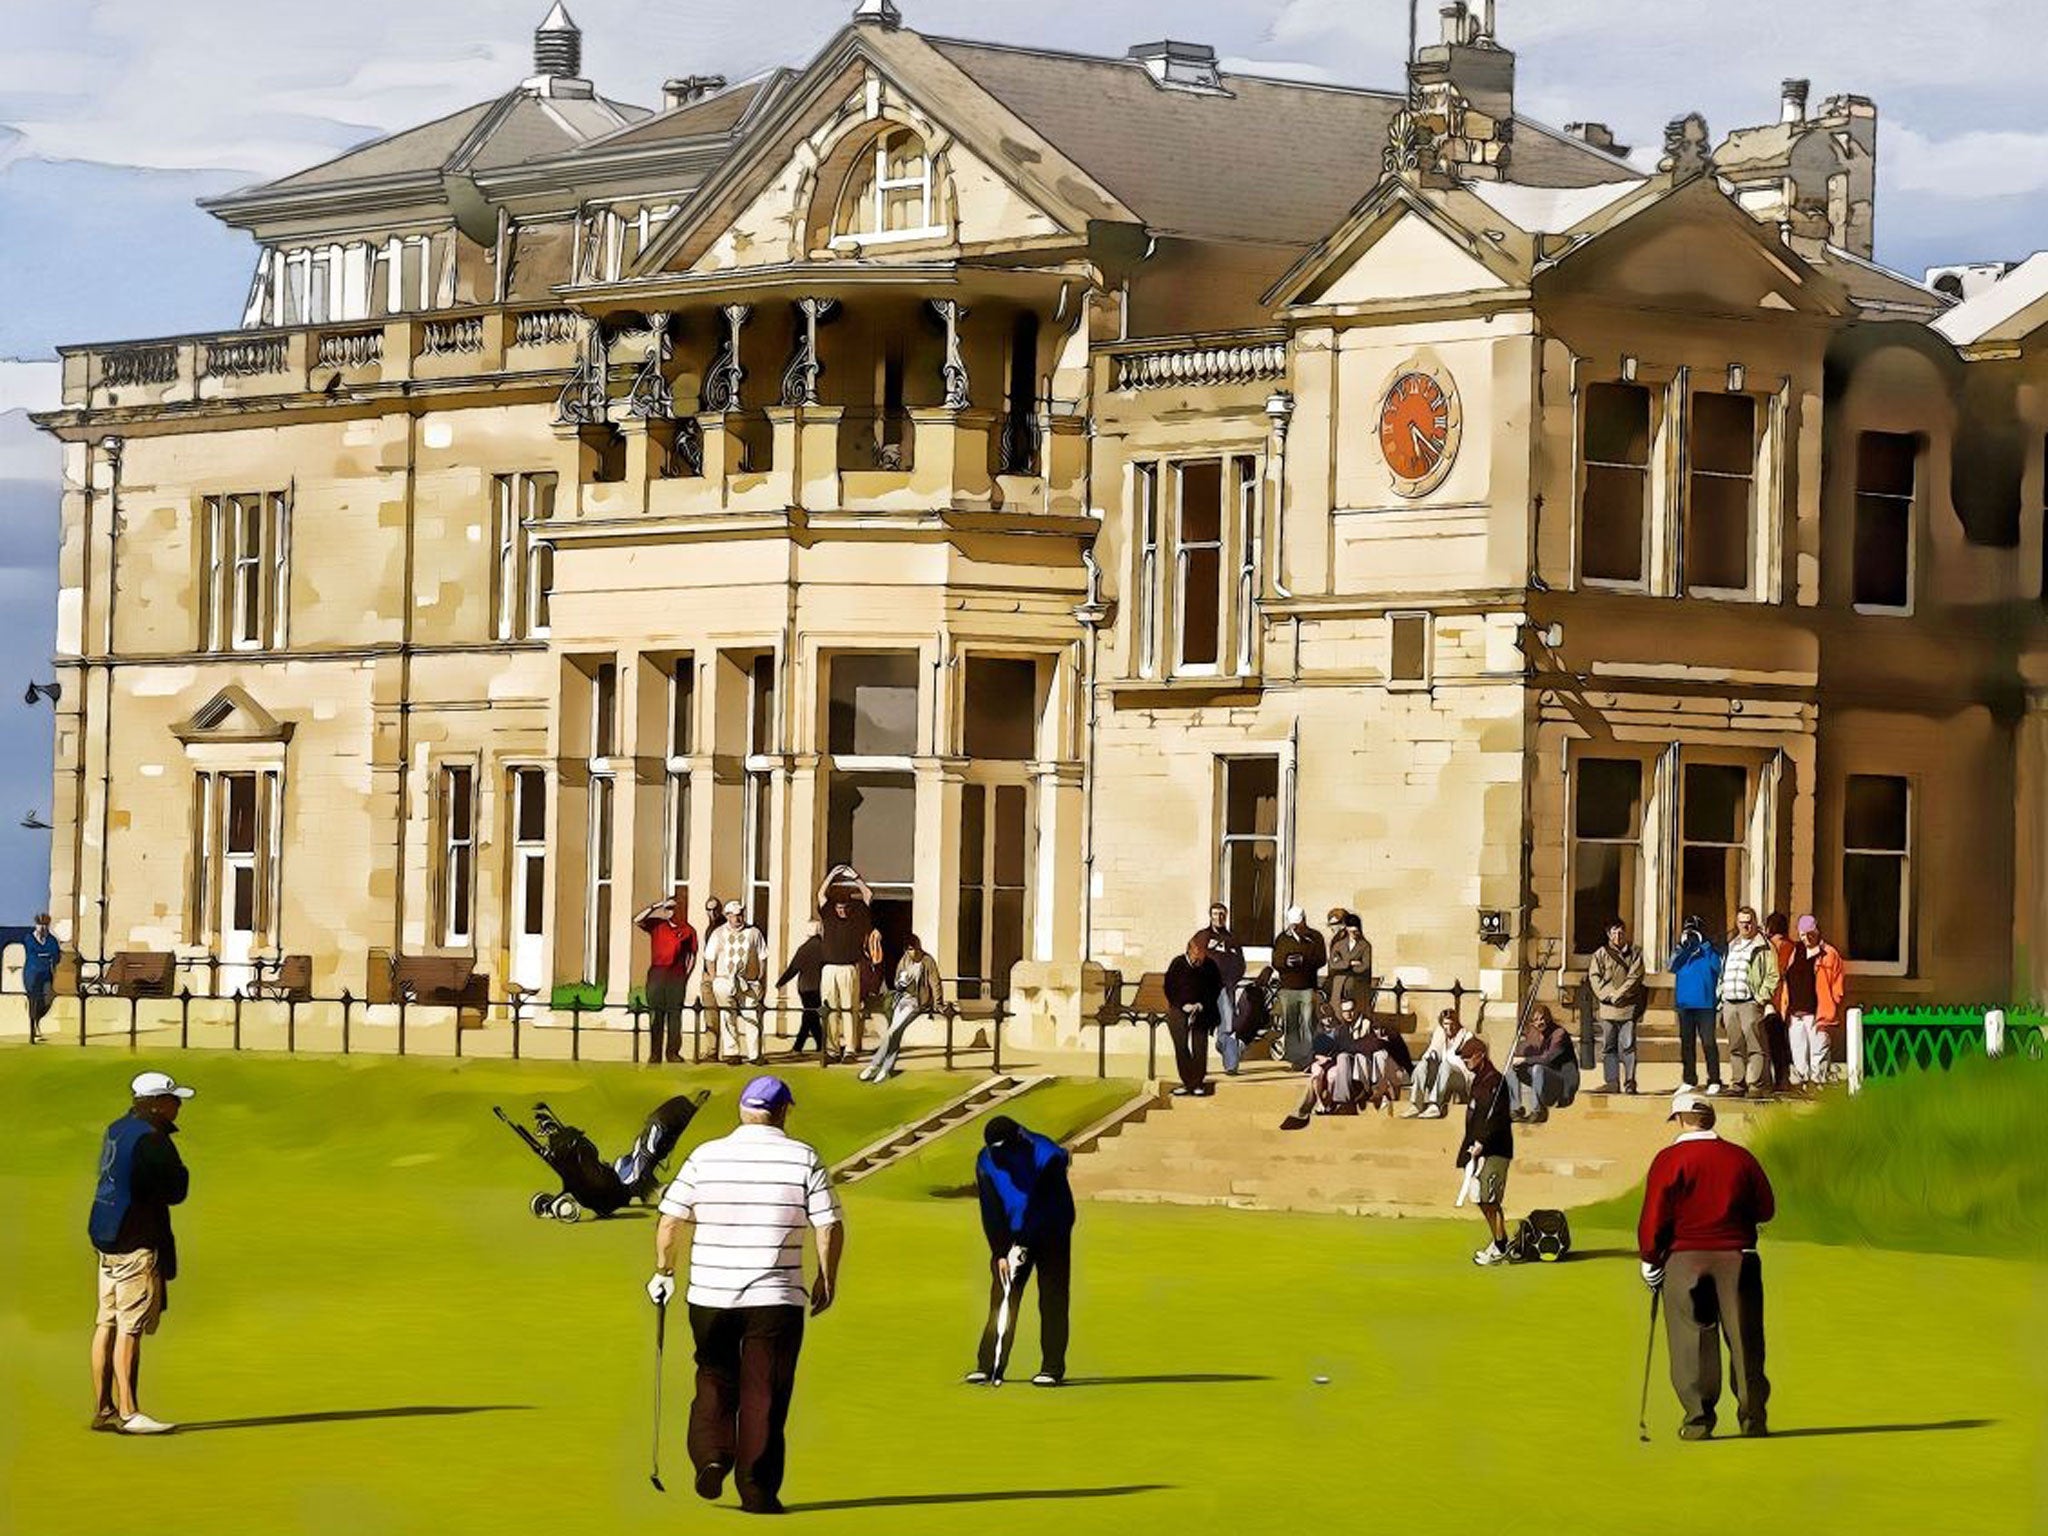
116 114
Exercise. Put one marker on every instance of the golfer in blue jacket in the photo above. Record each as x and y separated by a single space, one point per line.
1027 1214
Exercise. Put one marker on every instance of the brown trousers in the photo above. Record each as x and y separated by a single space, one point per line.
1708 1296
746 1372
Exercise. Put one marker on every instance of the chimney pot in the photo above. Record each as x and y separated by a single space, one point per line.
1454 15
1793 96
680 93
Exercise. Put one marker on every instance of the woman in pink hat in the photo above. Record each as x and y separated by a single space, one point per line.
1814 985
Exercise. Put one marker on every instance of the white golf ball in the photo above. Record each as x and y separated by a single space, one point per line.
1322 1381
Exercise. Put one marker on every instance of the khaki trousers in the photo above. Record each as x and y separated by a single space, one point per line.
839 995
1748 1061
1709 1297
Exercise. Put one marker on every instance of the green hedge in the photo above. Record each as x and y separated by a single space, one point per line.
588 994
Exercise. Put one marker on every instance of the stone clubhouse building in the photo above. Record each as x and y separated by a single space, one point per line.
1070 489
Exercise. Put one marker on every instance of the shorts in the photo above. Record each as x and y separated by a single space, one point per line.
131 1292
1493 1180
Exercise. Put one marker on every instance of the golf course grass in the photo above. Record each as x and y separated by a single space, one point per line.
372 1335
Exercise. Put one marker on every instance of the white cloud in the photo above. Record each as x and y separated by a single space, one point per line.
29 386
1967 165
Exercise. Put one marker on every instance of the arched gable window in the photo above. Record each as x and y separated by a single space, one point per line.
889 193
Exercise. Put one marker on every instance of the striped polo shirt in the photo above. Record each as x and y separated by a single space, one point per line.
750 1196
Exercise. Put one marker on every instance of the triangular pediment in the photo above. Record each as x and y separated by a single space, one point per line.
995 180
231 716
1399 246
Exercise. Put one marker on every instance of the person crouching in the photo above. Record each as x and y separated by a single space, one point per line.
1489 1141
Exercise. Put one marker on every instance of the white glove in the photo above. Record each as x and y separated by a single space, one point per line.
1653 1276
660 1288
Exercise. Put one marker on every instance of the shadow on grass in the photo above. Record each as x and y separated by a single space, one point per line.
1599 1253
999 1496
351 1415
1195 1380
1880 1429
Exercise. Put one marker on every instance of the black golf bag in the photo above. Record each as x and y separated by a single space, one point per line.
588 1181
1544 1236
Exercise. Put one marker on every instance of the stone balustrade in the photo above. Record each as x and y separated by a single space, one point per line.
1245 363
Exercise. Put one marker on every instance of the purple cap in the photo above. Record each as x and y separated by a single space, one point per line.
766 1093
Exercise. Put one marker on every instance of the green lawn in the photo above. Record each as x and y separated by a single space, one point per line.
357 1246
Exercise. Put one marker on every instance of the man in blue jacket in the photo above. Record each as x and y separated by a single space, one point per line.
1027 1214
141 1178
1696 994
40 955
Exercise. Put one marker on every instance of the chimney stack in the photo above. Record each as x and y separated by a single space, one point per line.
1794 98
558 47
680 93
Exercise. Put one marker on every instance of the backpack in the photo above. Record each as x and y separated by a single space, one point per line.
1544 1236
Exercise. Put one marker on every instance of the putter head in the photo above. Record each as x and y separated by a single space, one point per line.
657 1483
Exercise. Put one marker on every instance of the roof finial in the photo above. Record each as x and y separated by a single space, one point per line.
558 46
881 13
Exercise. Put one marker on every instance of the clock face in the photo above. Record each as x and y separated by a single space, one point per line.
1419 430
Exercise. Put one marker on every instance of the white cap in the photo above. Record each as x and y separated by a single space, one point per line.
1296 916
157 1085
732 906
1689 1101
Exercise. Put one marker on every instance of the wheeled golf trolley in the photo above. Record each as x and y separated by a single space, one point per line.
589 1183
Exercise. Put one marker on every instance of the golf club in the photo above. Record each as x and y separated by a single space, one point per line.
1002 1359
660 1337
1649 1355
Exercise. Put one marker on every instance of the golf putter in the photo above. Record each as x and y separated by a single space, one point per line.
660 1338
1002 1360
1649 1355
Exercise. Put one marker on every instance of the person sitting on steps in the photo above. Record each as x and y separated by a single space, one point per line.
1441 1075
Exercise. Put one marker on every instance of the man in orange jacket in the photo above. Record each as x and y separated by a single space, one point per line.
1814 984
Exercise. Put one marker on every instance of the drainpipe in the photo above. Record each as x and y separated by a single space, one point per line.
1091 615
112 447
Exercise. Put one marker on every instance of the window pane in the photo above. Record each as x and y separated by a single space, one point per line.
1617 424
242 899
530 789
1709 881
1251 796
604 709
682 706
1611 523
1872 885
1885 463
973 833
762 717
1006 939
458 895
873 707
1716 797
1002 709
970 936
534 903
1010 835
241 812
1251 877
1610 798
1724 434
1603 887
1717 528
459 809
1884 534
1874 813
1410 649
1201 502
1201 607
871 824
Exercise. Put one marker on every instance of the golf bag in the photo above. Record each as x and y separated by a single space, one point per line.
588 1181
1544 1236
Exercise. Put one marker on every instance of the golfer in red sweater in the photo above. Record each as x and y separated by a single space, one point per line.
1704 1201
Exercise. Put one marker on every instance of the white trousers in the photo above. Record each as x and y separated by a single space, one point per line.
1809 1049
736 1010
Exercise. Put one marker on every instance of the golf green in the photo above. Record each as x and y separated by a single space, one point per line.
372 1335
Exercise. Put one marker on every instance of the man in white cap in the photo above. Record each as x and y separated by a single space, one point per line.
141 1178
736 962
1702 1204
1298 956
749 1197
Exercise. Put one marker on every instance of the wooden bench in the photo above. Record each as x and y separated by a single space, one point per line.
138 973
290 981
447 980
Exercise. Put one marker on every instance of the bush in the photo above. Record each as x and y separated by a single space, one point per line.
588 994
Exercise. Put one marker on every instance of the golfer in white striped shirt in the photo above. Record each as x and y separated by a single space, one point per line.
750 1195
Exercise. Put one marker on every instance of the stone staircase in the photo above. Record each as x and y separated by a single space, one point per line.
1228 1150
900 1143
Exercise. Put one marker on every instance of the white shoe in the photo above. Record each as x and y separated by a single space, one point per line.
1688 1087
143 1424
1434 1112
1490 1255
1713 1090
976 1378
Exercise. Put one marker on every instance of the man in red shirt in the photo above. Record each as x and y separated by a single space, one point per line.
671 956
1704 1200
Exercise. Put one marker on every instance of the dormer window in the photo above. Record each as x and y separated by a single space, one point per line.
889 194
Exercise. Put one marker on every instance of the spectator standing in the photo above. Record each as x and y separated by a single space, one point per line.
1298 956
807 968
1749 979
1489 1141
845 909
1815 983
1697 1238
736 959
1027 1215
918 992
1696 992
1777 1033
1228 955
1441 1076
40 956
1616 975
1545 1073
1194 986
749 1196
671 956
1350 961
141 1177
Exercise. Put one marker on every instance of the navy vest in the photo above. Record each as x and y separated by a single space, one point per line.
116 1190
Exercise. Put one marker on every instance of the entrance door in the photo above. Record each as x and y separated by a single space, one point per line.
526 894
995 861
241 894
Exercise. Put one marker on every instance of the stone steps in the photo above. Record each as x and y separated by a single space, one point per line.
903 1141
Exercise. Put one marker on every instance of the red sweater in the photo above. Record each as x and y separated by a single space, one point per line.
1704 1194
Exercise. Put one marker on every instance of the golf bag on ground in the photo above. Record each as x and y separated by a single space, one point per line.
1544 1236
588 1181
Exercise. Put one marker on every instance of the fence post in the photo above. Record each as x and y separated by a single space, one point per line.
291 1024
1994 1032
1855 1050
995 1038
576 1027
951 1010
1102 1048
184 1017
347 1002
458 1025
697 1032
633 1012
518 1002
84 1002
134 1002
238 1018
404 1004
1151 1046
